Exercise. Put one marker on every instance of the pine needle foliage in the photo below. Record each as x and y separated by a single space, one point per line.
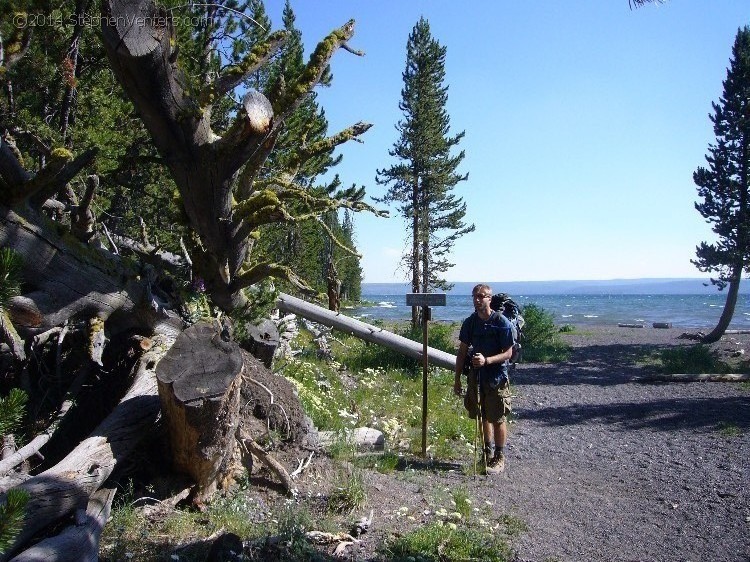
12 410
724 184
11 517
421 183
10 275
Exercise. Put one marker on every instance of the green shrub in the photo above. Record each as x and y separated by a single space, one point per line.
694 359
11 266
12 409
447 542
541 341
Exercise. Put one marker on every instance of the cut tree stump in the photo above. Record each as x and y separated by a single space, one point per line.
263 341
200 381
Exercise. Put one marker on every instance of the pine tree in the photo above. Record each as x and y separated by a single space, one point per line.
421 183
309 247
724 185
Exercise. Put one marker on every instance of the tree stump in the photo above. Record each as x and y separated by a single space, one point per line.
200 381
263 340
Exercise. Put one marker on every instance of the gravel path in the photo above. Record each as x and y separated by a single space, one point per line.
604 468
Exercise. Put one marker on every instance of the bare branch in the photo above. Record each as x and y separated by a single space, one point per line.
257 272
61 168
235 74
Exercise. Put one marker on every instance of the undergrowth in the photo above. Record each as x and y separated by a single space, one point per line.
541 337
693 359
359 384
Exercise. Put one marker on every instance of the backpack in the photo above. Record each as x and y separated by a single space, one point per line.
505 305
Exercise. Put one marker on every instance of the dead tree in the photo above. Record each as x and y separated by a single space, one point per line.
224 195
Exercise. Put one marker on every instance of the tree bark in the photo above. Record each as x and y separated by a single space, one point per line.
364 331
66 279
200 382
264 339
729 306
79 542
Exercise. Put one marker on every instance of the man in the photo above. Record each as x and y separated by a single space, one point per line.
491 337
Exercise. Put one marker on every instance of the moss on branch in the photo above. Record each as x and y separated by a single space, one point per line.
325 145
233 75
256 272
310 76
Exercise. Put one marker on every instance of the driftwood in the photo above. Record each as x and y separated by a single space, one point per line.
96 284
79 542
200 382
688 377
362 330
69 484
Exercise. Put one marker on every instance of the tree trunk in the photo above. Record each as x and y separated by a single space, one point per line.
65 279
415 249
728 312
200 382
79 542
264 339
364 331
68 485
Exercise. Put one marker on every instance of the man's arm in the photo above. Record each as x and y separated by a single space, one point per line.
463 349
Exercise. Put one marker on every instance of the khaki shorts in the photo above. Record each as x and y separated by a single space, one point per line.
495 401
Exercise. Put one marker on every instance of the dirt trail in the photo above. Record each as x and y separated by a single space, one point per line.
604 468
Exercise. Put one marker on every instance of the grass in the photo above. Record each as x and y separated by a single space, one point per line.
729 429
349 492
441 541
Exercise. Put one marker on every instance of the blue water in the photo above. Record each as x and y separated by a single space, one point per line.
681 310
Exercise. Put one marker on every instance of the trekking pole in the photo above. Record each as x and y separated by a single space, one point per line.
476 436
480 419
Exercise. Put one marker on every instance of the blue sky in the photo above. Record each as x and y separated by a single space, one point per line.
584 123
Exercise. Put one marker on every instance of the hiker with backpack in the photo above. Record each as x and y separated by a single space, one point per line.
490 335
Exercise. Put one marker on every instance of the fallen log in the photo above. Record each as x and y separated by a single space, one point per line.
79 542
688 377
96 284
68 485
364 331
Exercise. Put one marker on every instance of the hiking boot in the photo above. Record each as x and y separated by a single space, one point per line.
489 453
496 464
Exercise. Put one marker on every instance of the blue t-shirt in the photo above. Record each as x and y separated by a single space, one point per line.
489 337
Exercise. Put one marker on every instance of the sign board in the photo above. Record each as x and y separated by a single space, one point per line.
425 299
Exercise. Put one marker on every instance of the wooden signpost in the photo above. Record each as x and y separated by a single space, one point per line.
425 300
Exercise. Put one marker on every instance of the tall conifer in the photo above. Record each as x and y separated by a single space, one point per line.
422 181
724 185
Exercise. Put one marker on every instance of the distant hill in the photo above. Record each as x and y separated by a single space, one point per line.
656 286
